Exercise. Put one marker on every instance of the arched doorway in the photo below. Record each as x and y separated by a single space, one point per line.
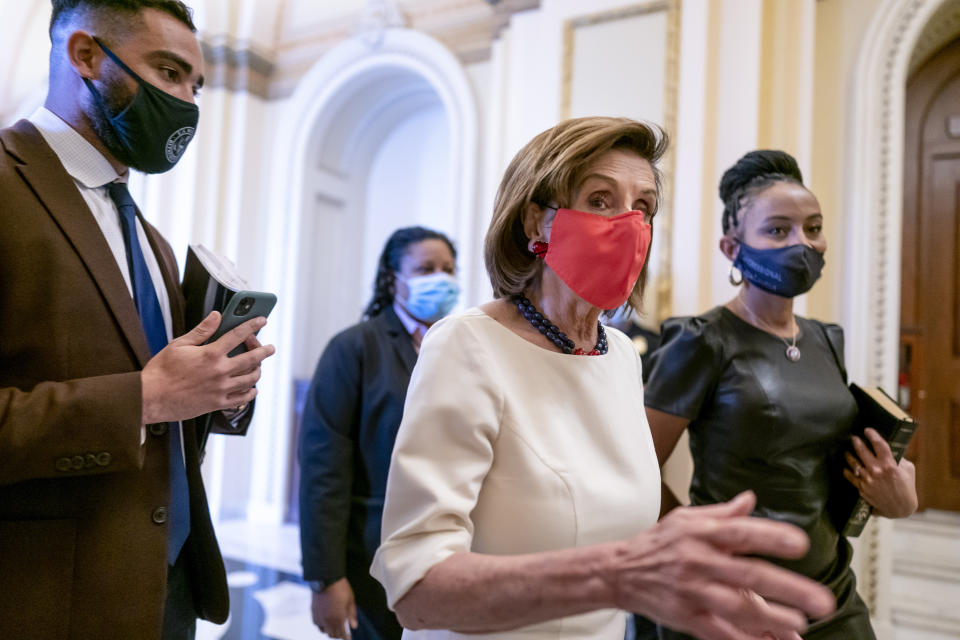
343 183
905 569
382 139
381 161
930 300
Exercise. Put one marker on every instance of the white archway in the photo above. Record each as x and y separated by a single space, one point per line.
874 197
875 194
398 71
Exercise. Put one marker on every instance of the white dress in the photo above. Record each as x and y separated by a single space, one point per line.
509 448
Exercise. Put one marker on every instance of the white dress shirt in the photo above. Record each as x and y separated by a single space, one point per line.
92 172
508 448
414 327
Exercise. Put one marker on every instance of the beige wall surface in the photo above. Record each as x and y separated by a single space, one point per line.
752 74
795 90
840 25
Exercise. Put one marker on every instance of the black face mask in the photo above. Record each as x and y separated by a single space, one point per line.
786 271
155 128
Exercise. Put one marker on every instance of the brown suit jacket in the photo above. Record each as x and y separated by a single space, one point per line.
83 536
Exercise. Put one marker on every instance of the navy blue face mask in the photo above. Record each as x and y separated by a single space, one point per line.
786 271
155 128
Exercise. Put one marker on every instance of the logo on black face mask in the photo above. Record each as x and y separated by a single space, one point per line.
177 143
153 130
783 271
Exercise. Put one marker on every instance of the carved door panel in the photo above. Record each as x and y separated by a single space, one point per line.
930 304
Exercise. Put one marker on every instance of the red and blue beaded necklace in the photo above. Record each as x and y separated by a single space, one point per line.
552 332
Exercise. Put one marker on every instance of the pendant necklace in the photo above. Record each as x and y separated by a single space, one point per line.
793 351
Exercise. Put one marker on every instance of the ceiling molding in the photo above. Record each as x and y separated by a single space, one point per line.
467 28
236 69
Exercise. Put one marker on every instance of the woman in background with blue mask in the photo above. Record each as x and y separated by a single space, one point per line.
350 422
763 392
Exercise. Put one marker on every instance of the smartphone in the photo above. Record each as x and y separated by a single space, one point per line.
243 306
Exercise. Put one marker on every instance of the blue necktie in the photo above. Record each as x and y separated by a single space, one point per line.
151 317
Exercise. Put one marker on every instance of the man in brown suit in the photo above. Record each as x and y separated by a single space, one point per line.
97 392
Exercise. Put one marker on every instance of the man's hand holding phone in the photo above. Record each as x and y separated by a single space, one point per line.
243 306
189 378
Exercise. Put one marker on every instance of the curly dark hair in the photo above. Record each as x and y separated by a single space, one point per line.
751 174
105 9
389 263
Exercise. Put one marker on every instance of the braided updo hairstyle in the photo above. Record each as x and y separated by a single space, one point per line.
753 173
389 263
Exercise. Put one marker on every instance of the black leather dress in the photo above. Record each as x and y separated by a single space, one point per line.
760 421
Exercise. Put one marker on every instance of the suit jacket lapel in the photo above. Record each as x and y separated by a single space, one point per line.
58 193
399 337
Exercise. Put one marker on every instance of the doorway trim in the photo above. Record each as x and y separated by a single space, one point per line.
871 308
874 219
298 140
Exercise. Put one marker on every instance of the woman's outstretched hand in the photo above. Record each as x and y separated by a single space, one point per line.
890 487
691 573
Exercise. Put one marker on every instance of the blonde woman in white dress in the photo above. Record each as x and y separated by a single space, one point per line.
524 489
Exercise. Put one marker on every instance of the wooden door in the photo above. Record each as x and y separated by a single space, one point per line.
930 301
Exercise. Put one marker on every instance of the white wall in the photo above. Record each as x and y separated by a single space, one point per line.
481 76
530 54
26 47
409 184
619 68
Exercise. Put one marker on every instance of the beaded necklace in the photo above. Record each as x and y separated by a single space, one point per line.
553 333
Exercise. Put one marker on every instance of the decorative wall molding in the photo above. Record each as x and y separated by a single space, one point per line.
466 27
662 287
926 570
504 9
590 19
871 310
869 580
916 614
927 546
235 69
873 256
377 17
941 29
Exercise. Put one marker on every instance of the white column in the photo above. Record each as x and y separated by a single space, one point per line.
738 92
689 148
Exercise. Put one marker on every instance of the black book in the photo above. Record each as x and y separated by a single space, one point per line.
879 411
209 283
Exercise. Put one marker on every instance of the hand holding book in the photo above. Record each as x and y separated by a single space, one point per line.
871 477
212 283
890 487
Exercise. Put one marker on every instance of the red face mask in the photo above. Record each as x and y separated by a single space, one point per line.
599 258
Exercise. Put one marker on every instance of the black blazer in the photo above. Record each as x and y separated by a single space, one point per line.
350 423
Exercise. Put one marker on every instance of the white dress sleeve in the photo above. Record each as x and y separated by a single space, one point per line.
443 452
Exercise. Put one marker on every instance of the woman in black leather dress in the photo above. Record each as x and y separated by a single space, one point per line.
763 392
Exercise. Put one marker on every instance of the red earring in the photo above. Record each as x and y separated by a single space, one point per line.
539 249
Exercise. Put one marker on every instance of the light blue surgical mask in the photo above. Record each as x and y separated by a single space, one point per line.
430 297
